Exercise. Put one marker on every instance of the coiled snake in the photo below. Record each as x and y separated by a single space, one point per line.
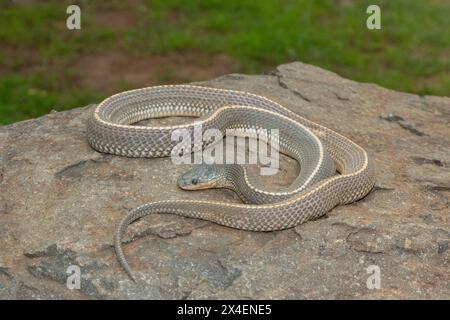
314 192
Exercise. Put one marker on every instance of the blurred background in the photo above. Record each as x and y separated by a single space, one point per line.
137 43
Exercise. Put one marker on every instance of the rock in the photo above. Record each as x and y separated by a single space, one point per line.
61 201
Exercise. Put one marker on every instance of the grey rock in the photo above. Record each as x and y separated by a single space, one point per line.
61 201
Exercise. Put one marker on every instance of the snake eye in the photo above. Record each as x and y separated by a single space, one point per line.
194 181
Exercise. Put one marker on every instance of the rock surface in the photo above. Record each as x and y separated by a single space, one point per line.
61 201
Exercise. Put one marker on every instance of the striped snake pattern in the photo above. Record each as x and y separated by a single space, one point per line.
320 152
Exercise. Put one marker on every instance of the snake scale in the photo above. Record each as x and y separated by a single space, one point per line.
320 152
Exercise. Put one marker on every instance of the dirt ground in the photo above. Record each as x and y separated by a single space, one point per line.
109 71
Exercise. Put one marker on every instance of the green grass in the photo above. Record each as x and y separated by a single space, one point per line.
411 52
22 98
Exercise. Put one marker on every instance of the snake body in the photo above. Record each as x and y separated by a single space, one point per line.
314 192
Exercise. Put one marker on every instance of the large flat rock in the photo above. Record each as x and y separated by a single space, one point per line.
61 201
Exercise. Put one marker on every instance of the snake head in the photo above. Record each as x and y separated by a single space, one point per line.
203 177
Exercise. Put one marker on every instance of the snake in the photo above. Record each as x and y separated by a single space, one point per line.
334 170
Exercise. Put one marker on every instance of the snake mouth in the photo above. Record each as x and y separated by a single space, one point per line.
198 186
186 187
